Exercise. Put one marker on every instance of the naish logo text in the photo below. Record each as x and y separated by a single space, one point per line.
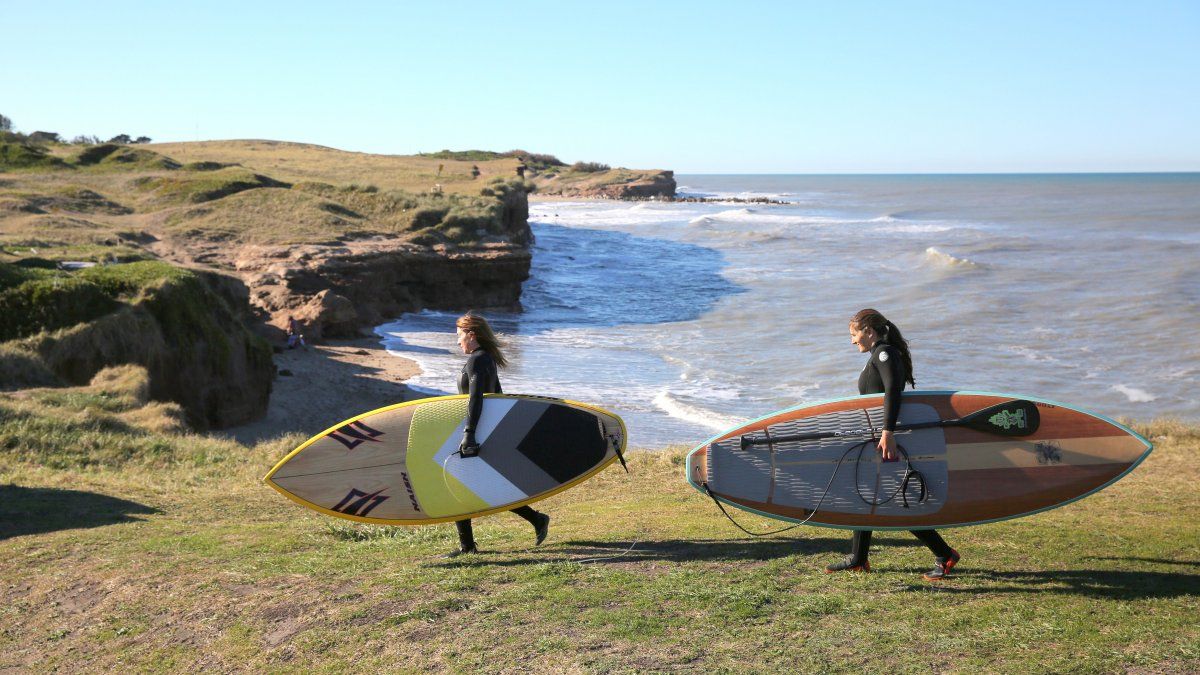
412 496
1007 419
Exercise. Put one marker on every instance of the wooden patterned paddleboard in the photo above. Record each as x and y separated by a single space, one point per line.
971 475
400 465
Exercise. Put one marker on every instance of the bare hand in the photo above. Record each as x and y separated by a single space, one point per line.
887 447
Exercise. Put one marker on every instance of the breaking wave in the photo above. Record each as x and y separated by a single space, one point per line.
938 258
694 414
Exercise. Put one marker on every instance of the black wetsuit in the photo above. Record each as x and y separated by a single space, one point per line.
885 374
479 376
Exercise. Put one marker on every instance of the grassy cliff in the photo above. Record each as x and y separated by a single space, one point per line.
64 327
213 208
126 544
109 201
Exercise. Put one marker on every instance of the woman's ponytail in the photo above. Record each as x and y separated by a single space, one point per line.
889 333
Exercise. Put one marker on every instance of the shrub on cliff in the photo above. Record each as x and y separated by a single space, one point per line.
503 187
22 156
35 299
466 223
114 157
534 160
464 155
93 154
49 304
428 216
205 166
164 318
589 167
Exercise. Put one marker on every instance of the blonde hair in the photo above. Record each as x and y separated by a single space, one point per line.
474 323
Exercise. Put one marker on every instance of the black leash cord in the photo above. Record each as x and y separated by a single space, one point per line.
902 490
739 525
791 527
910 472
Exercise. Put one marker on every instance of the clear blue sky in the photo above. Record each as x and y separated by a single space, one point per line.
744 87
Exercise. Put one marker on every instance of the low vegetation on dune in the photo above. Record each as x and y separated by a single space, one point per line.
300 162
109 422
309 213
194 187
114 196
130 544
592 175
26 157
63 327
128 541
113 157
127 206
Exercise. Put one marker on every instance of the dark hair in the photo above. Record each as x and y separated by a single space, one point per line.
474 323
889 333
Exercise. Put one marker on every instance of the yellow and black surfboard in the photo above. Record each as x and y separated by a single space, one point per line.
400 465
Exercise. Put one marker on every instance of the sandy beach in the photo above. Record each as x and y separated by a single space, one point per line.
324 384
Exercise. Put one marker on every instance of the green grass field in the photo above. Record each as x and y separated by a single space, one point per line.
126 545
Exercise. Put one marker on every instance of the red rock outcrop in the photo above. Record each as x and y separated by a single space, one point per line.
337 291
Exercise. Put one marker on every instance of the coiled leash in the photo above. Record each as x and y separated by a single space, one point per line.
910 473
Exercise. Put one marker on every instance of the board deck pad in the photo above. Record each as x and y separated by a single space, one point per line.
400 465
824 473
970 476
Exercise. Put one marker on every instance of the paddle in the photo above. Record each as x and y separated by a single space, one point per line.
1011 418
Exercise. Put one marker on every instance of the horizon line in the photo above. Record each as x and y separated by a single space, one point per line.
941 173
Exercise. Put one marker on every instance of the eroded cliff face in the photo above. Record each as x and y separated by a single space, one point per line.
339 291
186 332
342 289
613 184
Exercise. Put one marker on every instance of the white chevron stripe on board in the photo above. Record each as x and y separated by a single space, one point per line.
479 477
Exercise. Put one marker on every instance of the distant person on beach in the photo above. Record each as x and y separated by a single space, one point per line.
294 335
889 368
479 376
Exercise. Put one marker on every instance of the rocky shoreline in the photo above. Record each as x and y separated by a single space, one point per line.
269 231
340 290
725 200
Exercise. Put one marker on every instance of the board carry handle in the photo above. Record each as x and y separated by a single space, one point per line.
1011 418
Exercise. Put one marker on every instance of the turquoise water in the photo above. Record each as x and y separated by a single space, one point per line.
688 318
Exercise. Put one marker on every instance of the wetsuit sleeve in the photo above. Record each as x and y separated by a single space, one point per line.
475 383
891 372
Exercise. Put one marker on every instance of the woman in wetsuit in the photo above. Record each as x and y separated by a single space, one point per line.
889 368
479 376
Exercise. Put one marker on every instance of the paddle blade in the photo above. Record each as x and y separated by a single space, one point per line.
1011 418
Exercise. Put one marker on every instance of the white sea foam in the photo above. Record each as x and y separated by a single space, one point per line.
943 259
1032 354
616 286
914 228
695 414
1134 394
788 197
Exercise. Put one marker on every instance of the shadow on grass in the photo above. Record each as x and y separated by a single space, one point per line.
675 550
1156 561
1100 584
25 510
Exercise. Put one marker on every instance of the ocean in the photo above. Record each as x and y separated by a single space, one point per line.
688 318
